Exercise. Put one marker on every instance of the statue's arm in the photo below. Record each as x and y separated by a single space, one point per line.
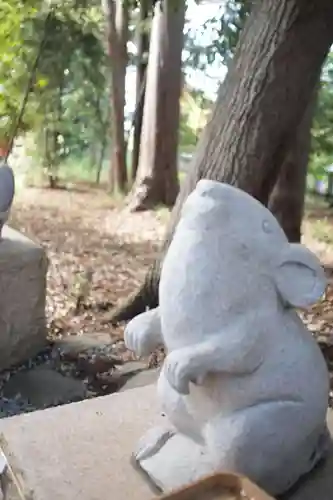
143 334
238 355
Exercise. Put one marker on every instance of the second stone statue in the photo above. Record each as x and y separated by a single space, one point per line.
244 386
7 191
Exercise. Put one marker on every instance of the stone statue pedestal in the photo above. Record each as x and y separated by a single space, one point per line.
23 268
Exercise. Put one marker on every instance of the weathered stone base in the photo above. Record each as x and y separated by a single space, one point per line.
23 268
83 450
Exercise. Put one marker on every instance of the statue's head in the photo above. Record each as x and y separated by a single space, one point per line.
252 245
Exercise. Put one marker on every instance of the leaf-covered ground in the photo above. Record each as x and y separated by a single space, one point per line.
83 229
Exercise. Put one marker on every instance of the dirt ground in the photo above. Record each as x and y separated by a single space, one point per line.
83 229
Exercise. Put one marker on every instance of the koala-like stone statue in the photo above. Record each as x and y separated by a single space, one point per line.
244 386
7 191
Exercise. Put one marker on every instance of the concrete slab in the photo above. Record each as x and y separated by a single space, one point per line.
82 450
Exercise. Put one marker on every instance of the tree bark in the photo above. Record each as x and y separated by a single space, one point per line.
142 64
117 18
157 176
287 198
259 106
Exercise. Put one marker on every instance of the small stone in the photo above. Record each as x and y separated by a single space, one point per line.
11 407
43 387
96 364
71 347
144 377
113 382
132 367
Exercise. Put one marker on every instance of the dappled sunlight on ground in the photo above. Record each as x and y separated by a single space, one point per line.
318 232
82 230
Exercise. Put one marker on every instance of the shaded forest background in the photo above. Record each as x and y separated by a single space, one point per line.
68 114
77 123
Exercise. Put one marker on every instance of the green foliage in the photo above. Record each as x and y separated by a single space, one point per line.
187 136
322 128
16 49
225 27
68 102
73 105
194 110
68 106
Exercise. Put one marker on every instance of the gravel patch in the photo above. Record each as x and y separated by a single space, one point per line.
69 369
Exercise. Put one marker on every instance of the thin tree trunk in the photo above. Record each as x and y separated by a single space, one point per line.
286 201
259 106
117 18
54 134
157 176
100 161
92 155
143 50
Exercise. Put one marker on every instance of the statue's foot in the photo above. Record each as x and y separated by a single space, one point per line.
168 460
153 441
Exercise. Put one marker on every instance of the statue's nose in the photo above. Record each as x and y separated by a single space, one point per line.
207 186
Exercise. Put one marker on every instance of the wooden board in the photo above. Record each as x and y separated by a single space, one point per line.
222 486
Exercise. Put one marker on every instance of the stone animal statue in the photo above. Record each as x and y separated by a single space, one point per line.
7 191
244 386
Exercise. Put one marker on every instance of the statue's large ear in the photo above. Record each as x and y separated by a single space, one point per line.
299 277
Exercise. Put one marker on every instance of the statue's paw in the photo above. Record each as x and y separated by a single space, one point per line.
136 340
131 338
179 372
152 442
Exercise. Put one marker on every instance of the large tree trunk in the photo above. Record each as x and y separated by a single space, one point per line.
157 176
286 201
117 18
142 63
259 107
